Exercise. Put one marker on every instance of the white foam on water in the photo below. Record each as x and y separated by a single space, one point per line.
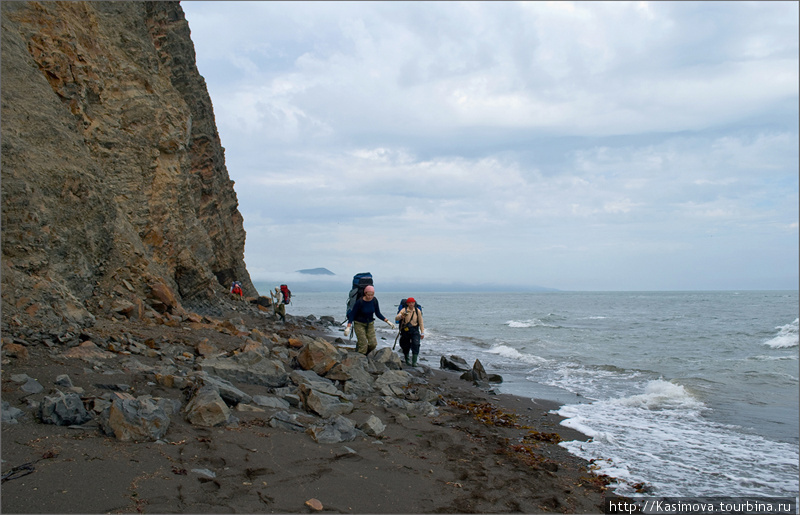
661 394
787 336
521 324
515 355
661 438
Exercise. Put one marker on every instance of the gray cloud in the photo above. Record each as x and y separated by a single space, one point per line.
586 145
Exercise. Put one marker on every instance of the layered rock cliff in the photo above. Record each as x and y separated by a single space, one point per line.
114 185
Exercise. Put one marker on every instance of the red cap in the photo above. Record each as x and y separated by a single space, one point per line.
410 300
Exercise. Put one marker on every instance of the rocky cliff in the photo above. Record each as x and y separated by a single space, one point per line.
115 193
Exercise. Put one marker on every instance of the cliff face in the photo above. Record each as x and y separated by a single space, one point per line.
114 185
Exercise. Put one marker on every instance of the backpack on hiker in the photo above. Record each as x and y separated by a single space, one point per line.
360 281
287 295
403 304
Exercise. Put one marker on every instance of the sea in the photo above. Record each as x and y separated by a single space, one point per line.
688 393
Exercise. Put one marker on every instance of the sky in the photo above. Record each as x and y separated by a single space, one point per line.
581 146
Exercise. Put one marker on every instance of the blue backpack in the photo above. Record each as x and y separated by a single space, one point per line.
360 281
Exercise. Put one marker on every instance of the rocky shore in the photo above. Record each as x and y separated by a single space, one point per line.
224 409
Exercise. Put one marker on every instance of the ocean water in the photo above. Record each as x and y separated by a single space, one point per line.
690 393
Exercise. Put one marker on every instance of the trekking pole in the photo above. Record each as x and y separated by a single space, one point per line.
395 340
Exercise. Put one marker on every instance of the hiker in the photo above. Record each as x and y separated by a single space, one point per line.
236 289
362 317
280 298
412 330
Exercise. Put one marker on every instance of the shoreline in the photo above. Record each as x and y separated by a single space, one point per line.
478 453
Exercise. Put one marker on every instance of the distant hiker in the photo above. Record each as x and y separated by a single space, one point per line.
280 298
236 289
412 330
362 316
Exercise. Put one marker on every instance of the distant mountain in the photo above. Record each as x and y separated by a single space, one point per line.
316 271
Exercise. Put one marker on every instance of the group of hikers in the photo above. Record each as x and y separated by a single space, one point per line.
280 297
362 308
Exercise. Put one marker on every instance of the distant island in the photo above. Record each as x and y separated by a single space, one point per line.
316 271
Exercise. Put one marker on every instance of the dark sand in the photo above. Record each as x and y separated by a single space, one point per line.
456 462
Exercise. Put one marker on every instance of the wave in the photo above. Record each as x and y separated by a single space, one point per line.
511 353
534 322
787 336
660 394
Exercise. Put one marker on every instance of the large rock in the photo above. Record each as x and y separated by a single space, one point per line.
325 403
207 408
384 356
136 420
477 373
248 367
229 393
453 362
336 429
63 410
318 355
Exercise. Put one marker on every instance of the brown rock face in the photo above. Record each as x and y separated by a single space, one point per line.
114 185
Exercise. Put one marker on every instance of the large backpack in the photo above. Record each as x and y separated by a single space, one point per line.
360 281
287 295
404 303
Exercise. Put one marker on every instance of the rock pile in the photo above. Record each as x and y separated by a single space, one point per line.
220 368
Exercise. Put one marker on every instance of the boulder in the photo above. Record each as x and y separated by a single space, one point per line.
393 378
453 362
207 408
286 420
136 420
270 401
373 426
249 368
477 373
10 413
336 429
326 403
318 355
88 351
388 358
63 410
229 393
15 350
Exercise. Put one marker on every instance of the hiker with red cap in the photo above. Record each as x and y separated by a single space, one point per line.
412 330
362 318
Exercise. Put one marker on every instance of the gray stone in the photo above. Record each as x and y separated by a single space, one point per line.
285 420
32 386
136 420
207 408
229 393
248 367
387 358
64 380
336 429
324 403
453 362
270 401
63 410
10 413
373 426
395 378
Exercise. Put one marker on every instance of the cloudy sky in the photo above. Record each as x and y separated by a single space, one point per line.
569 145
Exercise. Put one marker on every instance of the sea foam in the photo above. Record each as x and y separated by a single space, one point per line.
787 336
661 394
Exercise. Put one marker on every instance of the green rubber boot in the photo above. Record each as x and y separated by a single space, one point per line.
414 360
405 358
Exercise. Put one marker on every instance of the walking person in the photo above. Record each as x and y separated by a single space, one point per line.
281 297
361 318
412 330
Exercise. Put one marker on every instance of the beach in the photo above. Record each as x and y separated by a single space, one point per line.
474 452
